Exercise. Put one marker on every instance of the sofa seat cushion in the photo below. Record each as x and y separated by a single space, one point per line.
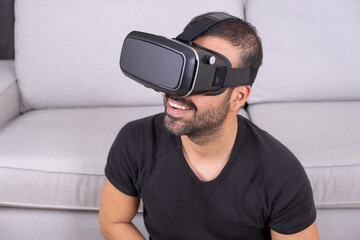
325 137
56 158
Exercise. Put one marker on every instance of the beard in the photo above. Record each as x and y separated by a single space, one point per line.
201 124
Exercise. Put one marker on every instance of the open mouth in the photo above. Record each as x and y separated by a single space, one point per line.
177 109
177 106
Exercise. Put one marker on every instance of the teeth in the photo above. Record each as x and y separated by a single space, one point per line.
174 105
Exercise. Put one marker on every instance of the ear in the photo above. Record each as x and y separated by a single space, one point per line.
238 97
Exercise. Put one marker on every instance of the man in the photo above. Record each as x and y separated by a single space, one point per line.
204 172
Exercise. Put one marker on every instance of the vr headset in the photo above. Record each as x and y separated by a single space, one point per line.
180 67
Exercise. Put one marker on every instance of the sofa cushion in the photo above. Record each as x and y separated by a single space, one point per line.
56 158
325 136
311 50
44 224
67 52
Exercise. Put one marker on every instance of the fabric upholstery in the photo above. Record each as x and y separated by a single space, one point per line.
335 224
9 104
56 158
311 50
44 224
67 52
9 97
7 74
325 137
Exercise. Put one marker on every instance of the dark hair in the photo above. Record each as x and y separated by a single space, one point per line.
241 34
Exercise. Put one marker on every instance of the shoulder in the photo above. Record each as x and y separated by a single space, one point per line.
135 148
267 161
278 178
259 145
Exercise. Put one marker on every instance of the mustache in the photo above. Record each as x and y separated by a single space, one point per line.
188 103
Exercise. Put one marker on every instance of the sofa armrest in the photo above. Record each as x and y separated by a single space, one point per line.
9 96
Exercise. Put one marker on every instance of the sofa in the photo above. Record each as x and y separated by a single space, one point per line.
63 100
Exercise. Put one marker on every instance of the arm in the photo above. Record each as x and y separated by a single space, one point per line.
310 233
116 212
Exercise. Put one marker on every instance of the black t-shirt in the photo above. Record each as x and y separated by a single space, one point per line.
262 186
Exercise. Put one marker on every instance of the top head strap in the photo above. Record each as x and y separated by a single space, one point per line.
189 34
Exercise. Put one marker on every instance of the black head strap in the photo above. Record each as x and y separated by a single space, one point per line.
232 77
189 34
225 76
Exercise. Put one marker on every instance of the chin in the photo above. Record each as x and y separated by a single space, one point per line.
173 126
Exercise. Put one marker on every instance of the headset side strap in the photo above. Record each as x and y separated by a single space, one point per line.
232 77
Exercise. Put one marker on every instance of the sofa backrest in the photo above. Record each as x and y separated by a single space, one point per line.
311 50
67 52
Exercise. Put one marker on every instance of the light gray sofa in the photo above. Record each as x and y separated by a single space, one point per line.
64 99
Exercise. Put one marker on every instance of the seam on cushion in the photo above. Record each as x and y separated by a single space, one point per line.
335 166
58 172
55 207
338 205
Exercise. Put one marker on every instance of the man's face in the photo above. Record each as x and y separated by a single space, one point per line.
199 115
